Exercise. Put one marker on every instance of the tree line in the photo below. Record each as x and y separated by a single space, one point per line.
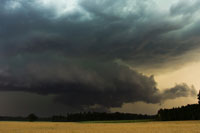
189 112
83 116
97 116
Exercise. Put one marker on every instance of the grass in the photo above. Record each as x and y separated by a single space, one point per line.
136 127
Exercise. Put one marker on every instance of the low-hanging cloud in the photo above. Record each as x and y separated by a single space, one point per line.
99 88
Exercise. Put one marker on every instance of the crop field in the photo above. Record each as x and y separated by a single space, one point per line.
136 127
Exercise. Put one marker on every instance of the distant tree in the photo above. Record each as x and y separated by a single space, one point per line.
189 112
32 117
199 97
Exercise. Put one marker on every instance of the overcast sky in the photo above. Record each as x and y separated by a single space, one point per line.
98 55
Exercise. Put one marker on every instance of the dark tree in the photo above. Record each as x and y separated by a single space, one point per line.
103 116
199 97
32 117
189 112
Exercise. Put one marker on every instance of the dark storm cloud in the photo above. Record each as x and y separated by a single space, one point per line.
131 33
71 55
111 85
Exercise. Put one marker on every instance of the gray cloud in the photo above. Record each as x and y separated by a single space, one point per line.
71 55
181 90
100 87
185 8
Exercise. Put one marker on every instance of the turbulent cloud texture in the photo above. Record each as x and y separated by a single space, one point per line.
70 49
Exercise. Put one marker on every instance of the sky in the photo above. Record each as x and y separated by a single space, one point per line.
98 55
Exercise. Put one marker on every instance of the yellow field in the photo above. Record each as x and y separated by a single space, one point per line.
146 127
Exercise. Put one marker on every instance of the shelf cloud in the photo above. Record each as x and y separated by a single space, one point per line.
74 49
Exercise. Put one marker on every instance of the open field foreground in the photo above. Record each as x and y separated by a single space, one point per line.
140 127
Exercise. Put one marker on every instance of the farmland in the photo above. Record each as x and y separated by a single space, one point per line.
135 127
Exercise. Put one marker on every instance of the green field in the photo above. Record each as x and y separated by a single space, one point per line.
135 127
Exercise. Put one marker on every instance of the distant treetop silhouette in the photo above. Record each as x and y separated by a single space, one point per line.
199 97
32 117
